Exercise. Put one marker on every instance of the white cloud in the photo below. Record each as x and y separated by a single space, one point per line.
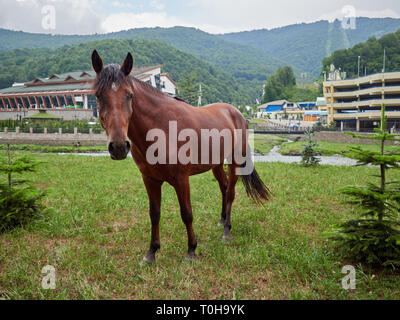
214 16
157 4
125 21
70 16
242 15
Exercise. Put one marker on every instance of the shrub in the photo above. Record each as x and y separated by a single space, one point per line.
374 238
19 202
309 156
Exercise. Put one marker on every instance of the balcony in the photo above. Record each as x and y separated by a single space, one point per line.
373 115
373 78
367 103
367 91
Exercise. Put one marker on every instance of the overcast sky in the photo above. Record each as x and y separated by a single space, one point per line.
214 16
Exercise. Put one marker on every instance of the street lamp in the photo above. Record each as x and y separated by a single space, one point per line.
359 66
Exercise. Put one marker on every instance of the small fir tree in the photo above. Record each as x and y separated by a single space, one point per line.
374 238
309 156
19 202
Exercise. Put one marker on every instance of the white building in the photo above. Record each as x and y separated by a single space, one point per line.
168 85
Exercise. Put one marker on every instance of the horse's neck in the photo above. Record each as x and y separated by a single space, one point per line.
148 107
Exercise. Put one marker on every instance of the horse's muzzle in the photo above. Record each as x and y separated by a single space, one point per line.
119 150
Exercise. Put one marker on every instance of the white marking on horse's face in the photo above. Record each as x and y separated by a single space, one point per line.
114 86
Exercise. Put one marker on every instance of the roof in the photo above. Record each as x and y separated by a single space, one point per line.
308 103
273 103
273 108
47 88
76 80
167 76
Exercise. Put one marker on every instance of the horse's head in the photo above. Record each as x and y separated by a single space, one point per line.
114 94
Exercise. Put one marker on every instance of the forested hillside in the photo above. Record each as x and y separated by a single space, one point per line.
371 56
248 56
305 45
240 61
25 64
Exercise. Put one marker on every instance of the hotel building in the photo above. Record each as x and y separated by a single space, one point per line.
355 104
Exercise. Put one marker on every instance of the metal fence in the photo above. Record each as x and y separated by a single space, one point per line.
52 130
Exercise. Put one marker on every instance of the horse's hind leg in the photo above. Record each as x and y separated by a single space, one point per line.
220 175
153 188
230 197
182 189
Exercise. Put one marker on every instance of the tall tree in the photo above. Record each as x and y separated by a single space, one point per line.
279 85
285 76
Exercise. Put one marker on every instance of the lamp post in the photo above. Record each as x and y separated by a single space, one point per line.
359 57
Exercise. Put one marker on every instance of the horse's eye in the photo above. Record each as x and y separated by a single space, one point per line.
129 96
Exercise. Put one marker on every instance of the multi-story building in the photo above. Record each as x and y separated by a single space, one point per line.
61 93
355 104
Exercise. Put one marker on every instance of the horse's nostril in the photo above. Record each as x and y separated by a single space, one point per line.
127 145
111 147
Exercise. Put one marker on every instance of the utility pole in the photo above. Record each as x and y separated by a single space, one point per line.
200 95
384 60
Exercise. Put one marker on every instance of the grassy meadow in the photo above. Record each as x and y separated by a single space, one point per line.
98 230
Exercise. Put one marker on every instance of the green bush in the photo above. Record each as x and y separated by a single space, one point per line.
19 202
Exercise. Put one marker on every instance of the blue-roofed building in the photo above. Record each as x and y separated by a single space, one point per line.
307 105
270 108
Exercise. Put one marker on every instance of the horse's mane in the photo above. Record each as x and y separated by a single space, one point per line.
112 74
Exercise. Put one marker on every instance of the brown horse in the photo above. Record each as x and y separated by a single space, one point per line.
130 109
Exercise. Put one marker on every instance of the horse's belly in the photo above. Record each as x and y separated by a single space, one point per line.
199 169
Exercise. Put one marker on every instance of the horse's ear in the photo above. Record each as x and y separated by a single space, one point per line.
127 65
97 63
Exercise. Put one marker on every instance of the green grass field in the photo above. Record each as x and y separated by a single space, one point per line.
263 143
99 229
328 148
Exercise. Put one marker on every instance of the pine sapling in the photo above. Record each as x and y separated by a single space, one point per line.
19 201
374 238
309 156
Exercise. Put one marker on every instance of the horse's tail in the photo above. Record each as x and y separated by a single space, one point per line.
255 187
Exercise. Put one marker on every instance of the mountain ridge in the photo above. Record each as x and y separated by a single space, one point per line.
318 39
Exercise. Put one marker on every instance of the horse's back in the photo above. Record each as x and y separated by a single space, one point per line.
220 116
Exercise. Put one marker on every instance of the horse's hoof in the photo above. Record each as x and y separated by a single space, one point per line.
147 261
227 237
190 257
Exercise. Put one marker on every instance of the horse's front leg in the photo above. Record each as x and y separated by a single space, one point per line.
153 188
182 189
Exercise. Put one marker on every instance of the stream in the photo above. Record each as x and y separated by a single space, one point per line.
272 156
275 156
